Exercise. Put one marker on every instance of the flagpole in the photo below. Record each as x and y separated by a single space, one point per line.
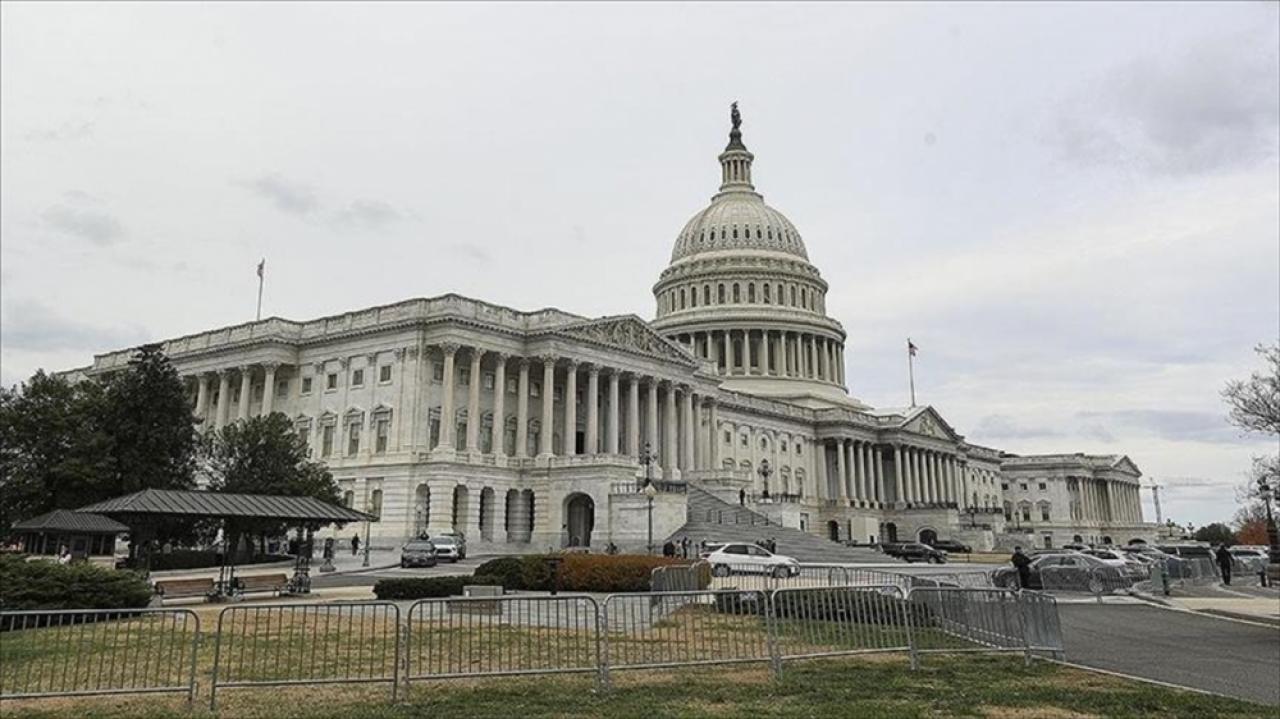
261 273
911 371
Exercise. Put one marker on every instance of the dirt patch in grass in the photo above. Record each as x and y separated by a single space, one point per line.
1033 713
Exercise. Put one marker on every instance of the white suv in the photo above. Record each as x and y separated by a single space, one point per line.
743 558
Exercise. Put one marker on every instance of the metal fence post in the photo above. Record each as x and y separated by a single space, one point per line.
217 655
195 650
395 664
908 617
771 633
1021 600
603 680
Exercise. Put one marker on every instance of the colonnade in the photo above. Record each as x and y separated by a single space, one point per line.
769 353
1104 500
244 374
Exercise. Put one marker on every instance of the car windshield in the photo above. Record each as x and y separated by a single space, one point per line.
448 541
419 546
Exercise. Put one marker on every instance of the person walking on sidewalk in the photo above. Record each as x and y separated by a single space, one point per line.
1223 555
355 544
1022 563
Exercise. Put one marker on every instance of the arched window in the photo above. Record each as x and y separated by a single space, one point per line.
751 292
793 295
720 293
693 296
735 232
706 294
737 294
767 294
375 504
682 298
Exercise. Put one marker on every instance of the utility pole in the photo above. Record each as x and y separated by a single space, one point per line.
1155 496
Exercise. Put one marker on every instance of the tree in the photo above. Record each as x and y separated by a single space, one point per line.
1255 402
1216 533
54 450
1252 530
153 439
264 455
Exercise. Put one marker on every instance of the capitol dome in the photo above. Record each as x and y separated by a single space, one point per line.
741 294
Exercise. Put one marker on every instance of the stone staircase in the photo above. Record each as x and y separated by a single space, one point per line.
715 520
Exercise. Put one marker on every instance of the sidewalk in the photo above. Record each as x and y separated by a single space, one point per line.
343 562
1261 609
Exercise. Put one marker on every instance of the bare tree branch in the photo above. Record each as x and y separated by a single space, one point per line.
1255 402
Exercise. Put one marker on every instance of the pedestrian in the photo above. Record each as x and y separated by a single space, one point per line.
742 497
773 545
1022 563
355 544
668 549
1223 555
64 555
684 547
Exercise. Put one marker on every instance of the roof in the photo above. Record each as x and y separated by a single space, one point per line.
65 520
185 503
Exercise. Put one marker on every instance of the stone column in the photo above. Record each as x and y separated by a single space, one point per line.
863 485
499 408
447 419
269 388
593 410
633 416
841 477
246 379
571 410
813 356
779 356
670 440
473 402
762 360
545 445
522 412
223 410
651 431
611 436
202 396
728 352
899 487
819 452
686 455
713 433
877 463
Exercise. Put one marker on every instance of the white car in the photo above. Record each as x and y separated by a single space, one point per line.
1108 557
743 558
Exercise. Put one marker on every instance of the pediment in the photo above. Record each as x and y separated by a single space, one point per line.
630 333
928 422
1126 465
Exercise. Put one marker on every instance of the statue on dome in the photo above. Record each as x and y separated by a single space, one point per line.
734 116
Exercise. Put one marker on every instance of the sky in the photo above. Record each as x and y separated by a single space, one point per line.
1072 209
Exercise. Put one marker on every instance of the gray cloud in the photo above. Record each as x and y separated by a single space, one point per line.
80 219
1172 425
1215 106
32 326
66 131
367 214
474 252
288 196
999 426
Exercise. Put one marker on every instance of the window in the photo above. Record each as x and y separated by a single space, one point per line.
382 429
767 294
513 385
384 373
306 385
349 499
784 445
1024 486
331 381
720 294
437 372
745 442
737 295
375 504
1026 513
535 389
728 437
799 449
559 394
1044 512
1043 487
326 440
489 379
751 292
1004 486
353 438
357 378
464 375
282 388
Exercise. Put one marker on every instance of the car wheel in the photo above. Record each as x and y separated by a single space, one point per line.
781 573
1095 585
720 570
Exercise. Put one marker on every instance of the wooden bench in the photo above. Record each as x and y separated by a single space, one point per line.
274 583
184 588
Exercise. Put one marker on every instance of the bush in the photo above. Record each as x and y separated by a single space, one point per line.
578 572
45 584
427 587
507 571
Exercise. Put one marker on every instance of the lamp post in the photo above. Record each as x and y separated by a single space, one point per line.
365 561
646 458
765 471
650 492
1273 536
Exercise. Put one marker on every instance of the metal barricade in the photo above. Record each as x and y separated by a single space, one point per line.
1042 629
680 577
495 636
684 628
284 644
82 652
952 620
831 621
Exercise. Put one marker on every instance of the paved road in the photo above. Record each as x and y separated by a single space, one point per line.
371 577
1217 655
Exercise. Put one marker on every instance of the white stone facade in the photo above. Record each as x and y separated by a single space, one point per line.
529 430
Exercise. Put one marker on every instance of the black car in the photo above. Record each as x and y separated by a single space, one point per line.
418 553
951 545
1070 571
914 552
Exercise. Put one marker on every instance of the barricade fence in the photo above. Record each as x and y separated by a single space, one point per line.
475 637
80 652
282 644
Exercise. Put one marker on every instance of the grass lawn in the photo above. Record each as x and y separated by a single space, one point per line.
873 686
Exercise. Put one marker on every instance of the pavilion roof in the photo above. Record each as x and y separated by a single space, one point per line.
66 520
193 503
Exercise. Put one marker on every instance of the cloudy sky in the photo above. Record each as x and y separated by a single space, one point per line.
1072 209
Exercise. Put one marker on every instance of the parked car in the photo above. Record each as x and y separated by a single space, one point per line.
1071 571
743 558
418 553
914 552
450 546
951 546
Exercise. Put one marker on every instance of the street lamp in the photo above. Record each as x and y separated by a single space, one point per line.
650 492
646 458
368 507
765 471
1273 537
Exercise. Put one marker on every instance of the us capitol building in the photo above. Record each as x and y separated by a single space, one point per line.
525 430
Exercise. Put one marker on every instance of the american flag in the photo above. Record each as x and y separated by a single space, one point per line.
262 265
911 348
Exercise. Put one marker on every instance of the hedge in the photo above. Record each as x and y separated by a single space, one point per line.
45 584
427 587
578 572
200 559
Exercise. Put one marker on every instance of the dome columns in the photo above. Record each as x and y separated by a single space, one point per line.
747 352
